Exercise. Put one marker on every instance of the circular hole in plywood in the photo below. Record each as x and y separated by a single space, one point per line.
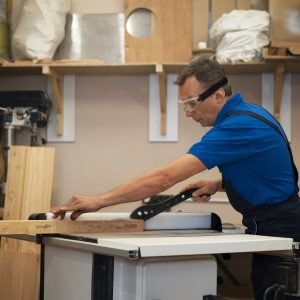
140 23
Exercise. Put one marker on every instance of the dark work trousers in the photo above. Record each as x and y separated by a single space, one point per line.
282 220
279 220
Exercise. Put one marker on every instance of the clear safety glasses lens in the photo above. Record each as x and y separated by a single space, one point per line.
189 105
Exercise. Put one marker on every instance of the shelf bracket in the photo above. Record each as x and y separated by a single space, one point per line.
56 81
162 80
278 84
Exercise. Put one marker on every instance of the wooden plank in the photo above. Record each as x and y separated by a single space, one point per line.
171 38
14 285
14 191
67 226
293 46
284 22
200 22
15 183
29 186
29 181
37 189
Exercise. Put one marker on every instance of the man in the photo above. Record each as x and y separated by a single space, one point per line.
251 151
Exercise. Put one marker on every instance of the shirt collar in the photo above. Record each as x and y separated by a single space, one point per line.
229 106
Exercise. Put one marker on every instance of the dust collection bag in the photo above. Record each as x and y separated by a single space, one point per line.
240 35
39 29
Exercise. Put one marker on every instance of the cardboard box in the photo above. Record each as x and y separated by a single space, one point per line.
285 24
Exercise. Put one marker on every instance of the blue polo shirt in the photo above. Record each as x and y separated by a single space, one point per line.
250 154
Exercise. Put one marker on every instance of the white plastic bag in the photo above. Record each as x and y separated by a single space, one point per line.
240 35
40 29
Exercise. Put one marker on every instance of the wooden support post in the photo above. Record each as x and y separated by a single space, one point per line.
278 82
57 87
162 79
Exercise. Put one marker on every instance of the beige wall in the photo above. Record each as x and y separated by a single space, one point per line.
112 130
112 136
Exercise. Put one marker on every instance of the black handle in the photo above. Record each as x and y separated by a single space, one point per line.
148 211
38 216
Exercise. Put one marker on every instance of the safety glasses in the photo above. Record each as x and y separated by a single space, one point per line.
191 104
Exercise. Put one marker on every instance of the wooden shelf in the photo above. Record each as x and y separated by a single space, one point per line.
75 68
99 68
14 69
55 71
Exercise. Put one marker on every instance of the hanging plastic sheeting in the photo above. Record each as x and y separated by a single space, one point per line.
240 35
40 29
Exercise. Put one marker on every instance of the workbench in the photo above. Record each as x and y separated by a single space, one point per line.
149 265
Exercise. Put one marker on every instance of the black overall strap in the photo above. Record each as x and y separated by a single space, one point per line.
275 127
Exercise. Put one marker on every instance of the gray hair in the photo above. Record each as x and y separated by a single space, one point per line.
207 70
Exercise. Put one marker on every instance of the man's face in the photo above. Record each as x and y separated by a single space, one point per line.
203 112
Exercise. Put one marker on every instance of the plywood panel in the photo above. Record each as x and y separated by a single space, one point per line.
96 6
219 7
285 28
243 4
200 22
171 39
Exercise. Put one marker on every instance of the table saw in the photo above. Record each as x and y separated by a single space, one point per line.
173 259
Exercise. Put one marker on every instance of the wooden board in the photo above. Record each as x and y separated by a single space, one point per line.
219 7
284 27
67 226
28 189
15 183
171 39
243 4
200 22
293 46
29 181
19 285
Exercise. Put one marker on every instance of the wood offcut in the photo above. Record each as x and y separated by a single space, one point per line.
67 226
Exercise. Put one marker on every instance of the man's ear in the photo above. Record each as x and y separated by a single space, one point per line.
220 94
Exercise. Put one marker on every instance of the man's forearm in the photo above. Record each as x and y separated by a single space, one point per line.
138 188
154 182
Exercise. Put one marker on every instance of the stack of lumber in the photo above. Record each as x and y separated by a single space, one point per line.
28 190
29 187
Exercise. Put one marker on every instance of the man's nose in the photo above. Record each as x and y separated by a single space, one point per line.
188 114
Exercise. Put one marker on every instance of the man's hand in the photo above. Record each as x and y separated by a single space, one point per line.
205 188
79 205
